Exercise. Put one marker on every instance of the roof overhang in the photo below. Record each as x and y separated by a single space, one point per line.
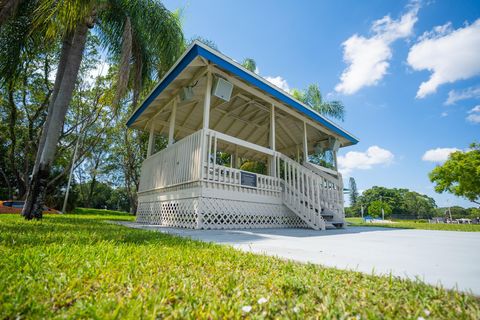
197 49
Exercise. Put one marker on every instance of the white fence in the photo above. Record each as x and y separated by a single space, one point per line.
175 165
231 178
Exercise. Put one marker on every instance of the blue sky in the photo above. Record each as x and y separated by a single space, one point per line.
373 56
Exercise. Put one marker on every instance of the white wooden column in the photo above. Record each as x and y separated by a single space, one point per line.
237 159
305 143
206 101
151 140
272 164
335 160
171 128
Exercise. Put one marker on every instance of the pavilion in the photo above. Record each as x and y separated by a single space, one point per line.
241 153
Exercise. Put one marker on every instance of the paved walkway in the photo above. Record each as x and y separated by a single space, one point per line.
437 257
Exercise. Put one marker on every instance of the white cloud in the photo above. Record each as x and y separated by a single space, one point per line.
279 82
450 55
368 58
438 154
474 118
474 115
475 109
458 95
444 114
374 155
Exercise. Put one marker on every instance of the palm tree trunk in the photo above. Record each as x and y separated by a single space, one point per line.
64 55
8 9
54 123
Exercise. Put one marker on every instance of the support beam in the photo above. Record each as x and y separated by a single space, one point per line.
151 140
206 101
272 127
171 128
189 114
237 159
305 143
279 105
272 162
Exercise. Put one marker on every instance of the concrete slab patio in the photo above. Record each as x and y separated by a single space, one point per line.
449 258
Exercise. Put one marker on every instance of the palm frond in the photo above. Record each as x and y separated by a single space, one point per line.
313 98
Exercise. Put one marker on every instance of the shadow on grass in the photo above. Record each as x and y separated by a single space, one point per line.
84 230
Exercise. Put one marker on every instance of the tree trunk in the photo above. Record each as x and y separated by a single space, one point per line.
54 123
13 146
8 9
64 56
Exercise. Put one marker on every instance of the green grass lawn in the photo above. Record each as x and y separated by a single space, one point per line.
412 224
79 266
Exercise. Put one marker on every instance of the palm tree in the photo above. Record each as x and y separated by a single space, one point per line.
313 98
142 36
249 64
8 8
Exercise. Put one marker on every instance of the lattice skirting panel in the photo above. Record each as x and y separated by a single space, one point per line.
181 213
231 214
213 213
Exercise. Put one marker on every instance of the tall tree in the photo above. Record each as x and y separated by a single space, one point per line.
249 64
8 8
313 98
460 174
353 192
125 29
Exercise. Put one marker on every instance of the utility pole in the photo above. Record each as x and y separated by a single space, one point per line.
381 206
361 210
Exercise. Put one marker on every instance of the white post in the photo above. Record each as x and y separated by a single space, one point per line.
305 143
206 102
237 160
151 140
171 129
335 160
272 140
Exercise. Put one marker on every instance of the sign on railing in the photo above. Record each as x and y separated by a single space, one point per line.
248 179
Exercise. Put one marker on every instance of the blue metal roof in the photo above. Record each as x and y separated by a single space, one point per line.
198 49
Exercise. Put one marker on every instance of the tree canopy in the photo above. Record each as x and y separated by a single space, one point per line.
375 209
313 98
402 202
460 174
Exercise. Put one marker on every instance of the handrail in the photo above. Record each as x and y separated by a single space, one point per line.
321 170
303 192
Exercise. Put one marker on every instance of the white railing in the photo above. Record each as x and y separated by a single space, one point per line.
333 185
231 177
303 191
319 169
178 164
